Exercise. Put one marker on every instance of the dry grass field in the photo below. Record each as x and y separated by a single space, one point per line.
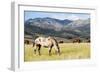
68 51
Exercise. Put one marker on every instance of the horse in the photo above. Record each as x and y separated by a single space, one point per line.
48 42
61 41
76 40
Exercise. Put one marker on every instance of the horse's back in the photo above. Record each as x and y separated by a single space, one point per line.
42 41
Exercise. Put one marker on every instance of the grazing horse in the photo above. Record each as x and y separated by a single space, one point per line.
61 41
49 42
76 40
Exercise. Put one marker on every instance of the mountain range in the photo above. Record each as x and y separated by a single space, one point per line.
58 28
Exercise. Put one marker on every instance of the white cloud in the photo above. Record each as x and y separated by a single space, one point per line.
60 16
70 16
65 16
73 17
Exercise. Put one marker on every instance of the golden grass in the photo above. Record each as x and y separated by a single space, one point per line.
68 51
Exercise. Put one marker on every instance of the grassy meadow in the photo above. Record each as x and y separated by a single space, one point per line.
68 51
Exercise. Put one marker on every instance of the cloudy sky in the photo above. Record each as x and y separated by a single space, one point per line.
61 16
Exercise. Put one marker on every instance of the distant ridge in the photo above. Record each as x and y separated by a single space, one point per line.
58 28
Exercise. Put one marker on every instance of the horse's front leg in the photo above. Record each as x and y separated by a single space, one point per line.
50 48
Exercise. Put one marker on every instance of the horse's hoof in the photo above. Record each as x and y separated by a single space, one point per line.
34 51
59 54
49 54
39 54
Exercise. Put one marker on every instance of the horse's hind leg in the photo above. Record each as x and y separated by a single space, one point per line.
34 51
57 50
50 51
39 49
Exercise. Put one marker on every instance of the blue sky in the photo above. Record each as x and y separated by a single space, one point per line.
60 15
